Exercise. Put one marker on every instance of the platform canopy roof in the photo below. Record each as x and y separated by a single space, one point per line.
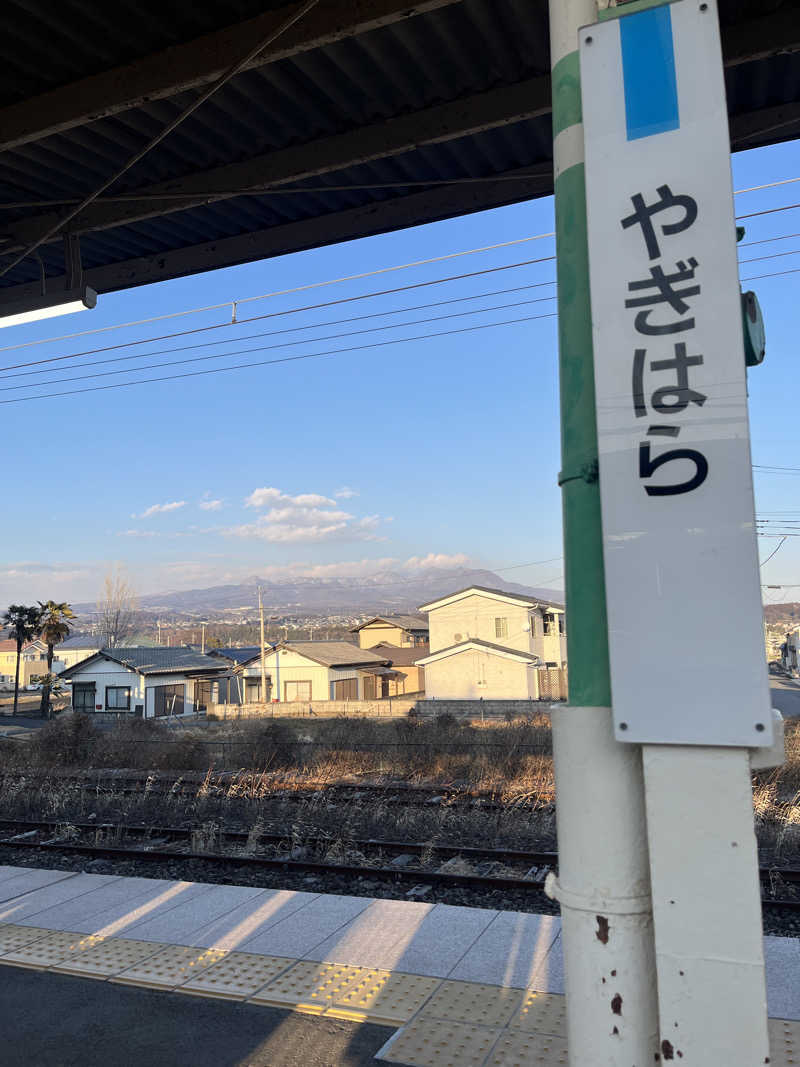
361 117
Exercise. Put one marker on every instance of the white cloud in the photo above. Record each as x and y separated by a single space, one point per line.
160 509
137 533
436 560
313 531
346 493
210 505
261 498
303 518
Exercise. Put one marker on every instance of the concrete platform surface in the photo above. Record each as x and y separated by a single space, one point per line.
468 986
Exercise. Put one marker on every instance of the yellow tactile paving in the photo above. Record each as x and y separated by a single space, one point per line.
237 977
437 1043
46 951
474 1002
103 958
309 987
541 1013
13 937
383 996
784 1043
170 967
516 1048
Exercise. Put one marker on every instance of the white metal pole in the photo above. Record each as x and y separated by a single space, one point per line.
603 883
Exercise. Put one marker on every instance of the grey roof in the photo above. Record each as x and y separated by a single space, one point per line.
332 653
488 645
80 641
405 622
236 655
531 601
153 660
402 657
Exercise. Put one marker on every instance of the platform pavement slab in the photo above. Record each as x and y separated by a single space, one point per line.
17 909
116 905
377 937
782 958
511 951
296 932
192 912
442 939
27 879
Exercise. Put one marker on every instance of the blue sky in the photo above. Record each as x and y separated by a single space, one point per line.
403 456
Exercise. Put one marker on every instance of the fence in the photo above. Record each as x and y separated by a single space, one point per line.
390 707
482 709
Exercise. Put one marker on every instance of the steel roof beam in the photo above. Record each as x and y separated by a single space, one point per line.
442 122
197 63
396 214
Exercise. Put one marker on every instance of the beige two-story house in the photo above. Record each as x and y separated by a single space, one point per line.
491 644
402 631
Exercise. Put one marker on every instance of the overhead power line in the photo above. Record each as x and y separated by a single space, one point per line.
283 359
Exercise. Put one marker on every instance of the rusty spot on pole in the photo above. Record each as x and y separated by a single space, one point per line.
615 1030
602 929
666 1050
616 1004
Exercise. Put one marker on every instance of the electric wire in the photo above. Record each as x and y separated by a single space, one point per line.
282 344
290 311
283 292
270 362
290 329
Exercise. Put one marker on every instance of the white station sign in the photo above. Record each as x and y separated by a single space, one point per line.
679 542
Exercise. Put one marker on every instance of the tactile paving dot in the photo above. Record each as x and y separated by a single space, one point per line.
473 1002
45 951
518 1049
13 937
383 996
309 987
434 1043
542 1013
784 1042
170 967
106 957
236 977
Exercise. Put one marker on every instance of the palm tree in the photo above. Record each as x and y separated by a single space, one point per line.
23 626
53 629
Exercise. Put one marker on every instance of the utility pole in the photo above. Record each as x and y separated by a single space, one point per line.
203 638
158 624
263 648
603 884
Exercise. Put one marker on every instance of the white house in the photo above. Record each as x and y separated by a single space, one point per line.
148 682
76 648
492 644
318 670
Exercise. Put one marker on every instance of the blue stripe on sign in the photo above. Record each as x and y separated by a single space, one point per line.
648 73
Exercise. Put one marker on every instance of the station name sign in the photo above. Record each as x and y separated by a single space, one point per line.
679 540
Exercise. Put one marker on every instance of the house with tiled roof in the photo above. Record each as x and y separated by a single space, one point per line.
491 644
147 682
318 670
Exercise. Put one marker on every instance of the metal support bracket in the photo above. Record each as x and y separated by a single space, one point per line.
637 905
762 759
588 472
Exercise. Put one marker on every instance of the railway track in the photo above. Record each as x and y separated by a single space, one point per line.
177 843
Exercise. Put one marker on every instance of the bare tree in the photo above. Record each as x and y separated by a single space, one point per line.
116 609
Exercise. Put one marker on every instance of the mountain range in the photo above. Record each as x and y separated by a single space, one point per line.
386 591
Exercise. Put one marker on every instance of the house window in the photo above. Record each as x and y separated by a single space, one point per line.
501 627
83 696
561 629
346 689
118 697
168 699
533 625
547 624
297 690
